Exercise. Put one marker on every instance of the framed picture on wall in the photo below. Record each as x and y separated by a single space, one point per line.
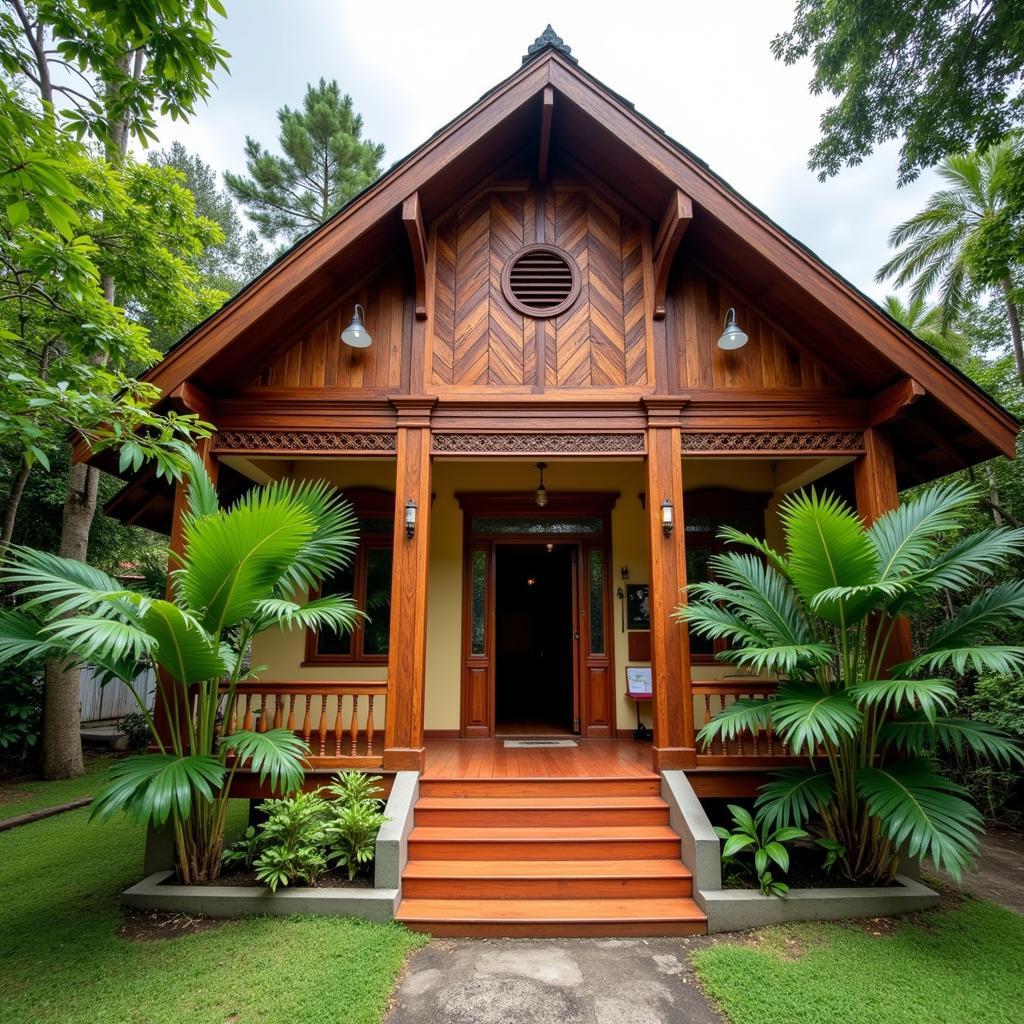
638 606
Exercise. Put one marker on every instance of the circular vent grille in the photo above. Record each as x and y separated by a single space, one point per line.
541 280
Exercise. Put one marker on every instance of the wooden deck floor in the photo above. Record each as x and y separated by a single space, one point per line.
491 759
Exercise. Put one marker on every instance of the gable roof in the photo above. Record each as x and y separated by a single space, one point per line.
604 131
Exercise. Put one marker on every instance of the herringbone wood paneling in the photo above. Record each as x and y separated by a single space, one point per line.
479 339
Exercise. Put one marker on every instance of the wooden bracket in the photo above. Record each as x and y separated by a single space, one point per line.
889 405
412 218
547 107
189 397
673 226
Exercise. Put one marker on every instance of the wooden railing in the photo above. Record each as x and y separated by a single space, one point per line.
748 748
335 719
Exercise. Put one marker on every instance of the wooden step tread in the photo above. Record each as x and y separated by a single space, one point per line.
539 803
593 869
545 834
566 912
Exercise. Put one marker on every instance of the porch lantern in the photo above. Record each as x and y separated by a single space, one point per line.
732 336
667 518
541 495
356 335
410 518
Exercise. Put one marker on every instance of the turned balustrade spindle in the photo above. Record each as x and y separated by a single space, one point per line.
262 727
247 717
323 724
338 726
278 712
369 727
307 720
291 713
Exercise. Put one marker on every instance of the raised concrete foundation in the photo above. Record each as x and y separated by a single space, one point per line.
737 909
158 891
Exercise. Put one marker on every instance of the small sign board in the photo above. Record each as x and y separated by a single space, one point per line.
638 681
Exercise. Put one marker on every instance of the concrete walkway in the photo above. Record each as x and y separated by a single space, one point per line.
999 875
552 981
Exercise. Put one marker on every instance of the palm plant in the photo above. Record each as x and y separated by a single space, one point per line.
821 618
243 571
937 244
925 321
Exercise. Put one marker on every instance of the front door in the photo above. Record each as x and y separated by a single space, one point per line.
537 642
536 636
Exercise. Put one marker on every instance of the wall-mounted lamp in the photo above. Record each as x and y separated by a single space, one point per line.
624 572
732 336
541 495
667 518
410 518
356 335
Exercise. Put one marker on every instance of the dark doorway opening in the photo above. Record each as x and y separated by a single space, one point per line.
534 667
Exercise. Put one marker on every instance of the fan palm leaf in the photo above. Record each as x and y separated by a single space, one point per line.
916 734
794 796
932 696
807 717
918 807
827 548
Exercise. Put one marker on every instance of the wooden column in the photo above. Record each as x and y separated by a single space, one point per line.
177 548
670 644
874 478
407 662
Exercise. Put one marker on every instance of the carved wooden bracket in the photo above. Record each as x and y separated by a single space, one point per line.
412 218
547 107
673 226
893 402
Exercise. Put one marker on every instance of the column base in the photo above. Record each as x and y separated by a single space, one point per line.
404 759
673 758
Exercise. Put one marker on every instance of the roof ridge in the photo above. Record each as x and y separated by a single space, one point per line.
549 39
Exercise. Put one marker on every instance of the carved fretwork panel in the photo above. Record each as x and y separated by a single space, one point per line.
479 339
698 303
319 359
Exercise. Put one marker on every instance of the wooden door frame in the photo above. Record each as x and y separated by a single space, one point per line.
477 671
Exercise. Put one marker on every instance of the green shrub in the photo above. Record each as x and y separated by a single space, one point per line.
21 716
753 837
292 840
135 728
352 834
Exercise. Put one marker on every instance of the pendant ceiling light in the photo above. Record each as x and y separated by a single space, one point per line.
356 335
732 336
541 496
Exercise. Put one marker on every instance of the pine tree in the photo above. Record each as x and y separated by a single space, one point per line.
326 162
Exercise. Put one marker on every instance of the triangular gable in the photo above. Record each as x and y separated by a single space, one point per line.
601 129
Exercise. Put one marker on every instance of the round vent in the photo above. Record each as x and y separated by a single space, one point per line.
541 280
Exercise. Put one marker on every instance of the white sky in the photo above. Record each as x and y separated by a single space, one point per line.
702 71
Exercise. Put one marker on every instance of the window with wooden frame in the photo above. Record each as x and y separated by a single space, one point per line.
706 511
368 580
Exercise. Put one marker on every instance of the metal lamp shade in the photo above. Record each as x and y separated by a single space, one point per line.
356 335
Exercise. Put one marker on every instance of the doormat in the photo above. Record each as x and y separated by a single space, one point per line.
520 744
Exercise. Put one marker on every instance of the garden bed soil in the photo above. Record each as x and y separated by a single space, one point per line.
153 926
805 872
328 880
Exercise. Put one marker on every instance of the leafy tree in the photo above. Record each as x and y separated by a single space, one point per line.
326 161
940 245
926 323
239 576
239 256
124 61
945 75
821 619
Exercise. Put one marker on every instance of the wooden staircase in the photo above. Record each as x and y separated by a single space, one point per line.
546 857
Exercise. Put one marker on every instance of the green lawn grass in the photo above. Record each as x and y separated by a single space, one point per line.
21 796
965 964
61 959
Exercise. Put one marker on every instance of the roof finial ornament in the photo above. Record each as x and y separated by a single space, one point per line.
549 38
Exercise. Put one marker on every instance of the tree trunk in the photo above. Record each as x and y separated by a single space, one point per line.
62 740
1013 317
62 736
13 501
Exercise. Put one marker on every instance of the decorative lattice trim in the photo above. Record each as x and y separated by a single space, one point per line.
538 444
849 442
304 441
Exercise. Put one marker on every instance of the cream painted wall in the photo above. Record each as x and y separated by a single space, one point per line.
283 653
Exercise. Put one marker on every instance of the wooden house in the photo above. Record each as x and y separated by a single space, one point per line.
548 280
